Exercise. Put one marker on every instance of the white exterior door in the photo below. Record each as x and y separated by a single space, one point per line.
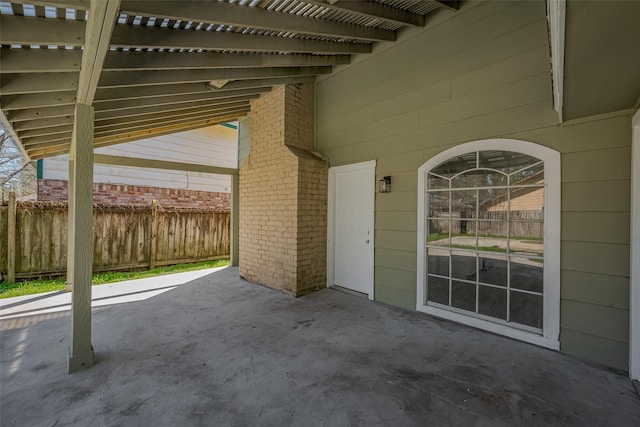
351 215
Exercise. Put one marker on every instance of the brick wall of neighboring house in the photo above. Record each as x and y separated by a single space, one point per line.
137 195
283 193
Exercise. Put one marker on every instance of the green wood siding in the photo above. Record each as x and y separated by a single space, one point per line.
486 74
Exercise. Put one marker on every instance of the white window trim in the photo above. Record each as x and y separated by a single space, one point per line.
370 167
634 312
551 311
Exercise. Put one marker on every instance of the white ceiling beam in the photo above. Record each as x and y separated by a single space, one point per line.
119 61
173 121
164 130
103 15
42 123
39 60
40 113
448 4
49 151
117 93
241 84
104 159
62 147
142 78
104 115
169 38
14 84
29 30
176 99
35 100
253 17
41 141
64 4
46 131
62 125
161 115
106 126
374 10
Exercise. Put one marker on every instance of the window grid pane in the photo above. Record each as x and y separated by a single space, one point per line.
496 268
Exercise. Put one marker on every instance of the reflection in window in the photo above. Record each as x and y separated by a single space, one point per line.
485 236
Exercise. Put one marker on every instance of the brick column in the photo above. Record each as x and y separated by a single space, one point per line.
283 195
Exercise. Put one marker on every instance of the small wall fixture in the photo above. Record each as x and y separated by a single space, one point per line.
384 185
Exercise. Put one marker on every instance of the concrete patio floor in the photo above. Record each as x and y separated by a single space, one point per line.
220 351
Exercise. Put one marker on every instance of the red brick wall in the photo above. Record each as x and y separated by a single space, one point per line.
55 190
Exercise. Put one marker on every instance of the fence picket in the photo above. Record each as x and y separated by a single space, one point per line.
123 238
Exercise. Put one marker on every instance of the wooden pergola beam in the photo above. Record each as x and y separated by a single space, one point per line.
138 36
104 159
158 117
63 4
143 78
64 60
39 60
63 147
44 140
36 100
19 83
139 92
119 60
119 130
367 9
42 123
152 120
253 17
177 99
163 130
242 84
52 130
28 30
131 112
448 4
40 113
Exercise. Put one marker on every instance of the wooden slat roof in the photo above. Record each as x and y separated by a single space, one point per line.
154 67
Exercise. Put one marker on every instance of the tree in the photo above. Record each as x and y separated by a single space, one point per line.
17 172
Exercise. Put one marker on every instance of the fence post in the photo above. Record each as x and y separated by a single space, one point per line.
154 234
11 239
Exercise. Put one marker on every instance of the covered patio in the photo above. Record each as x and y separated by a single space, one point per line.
221 351
333 99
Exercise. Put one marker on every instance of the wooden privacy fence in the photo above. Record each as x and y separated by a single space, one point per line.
124 238
522 223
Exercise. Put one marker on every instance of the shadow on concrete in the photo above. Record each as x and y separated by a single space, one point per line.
221 351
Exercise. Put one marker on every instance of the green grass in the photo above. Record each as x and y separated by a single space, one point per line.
29 287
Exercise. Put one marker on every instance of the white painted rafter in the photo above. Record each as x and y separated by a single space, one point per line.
556 14
373 10
169 38
252 17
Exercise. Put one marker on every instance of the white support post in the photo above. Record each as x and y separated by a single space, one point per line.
80 255
235 220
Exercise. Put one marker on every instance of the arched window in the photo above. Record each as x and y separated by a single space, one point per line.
489 238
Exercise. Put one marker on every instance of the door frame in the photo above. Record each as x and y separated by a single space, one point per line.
370 167
634 291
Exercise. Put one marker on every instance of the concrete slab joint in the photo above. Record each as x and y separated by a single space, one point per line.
283 194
